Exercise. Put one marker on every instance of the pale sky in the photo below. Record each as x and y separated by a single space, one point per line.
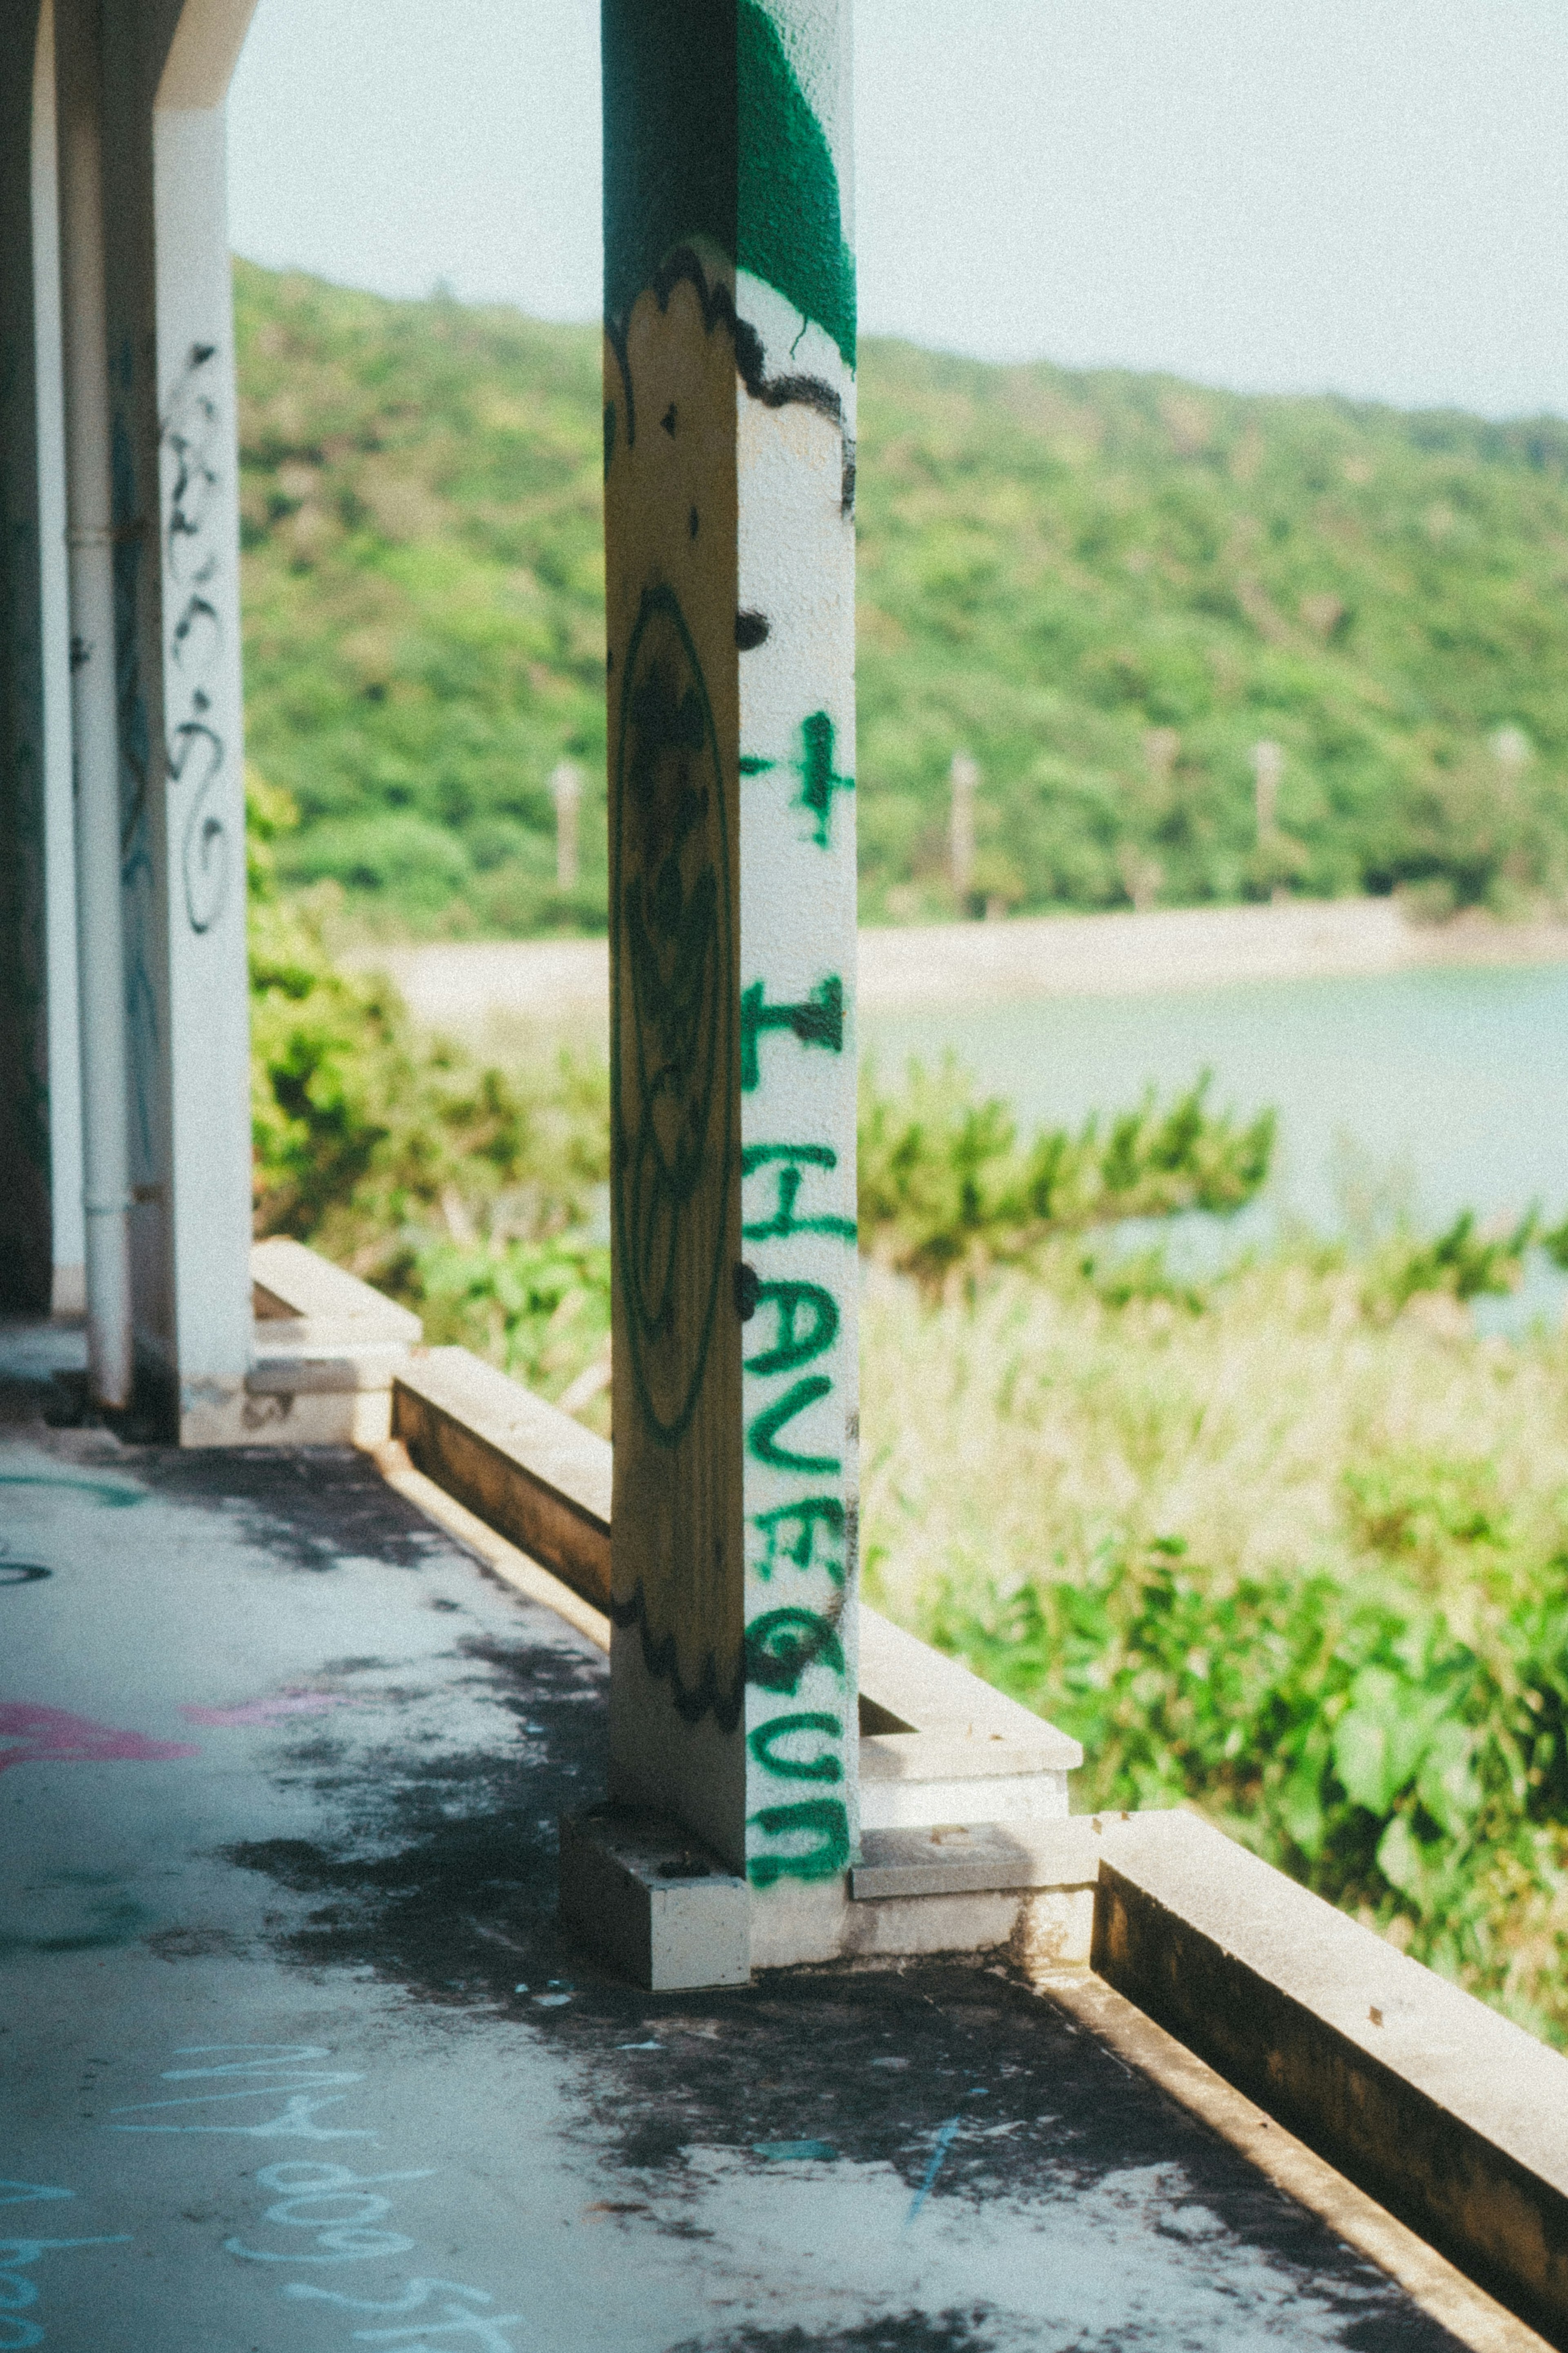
1369 196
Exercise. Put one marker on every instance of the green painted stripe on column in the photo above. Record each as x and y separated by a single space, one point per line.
709 137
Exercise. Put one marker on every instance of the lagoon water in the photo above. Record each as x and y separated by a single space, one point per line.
1449 1088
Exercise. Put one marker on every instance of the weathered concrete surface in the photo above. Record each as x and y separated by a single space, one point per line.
1455 2118
295 2057
523 1466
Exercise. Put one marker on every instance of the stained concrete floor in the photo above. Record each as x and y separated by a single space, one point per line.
292 2054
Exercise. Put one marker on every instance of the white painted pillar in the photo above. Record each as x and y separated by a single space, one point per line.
68 1253
169 334
729 425
203 834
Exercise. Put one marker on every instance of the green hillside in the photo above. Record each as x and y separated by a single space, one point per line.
1106 588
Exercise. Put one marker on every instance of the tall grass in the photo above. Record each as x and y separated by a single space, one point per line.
1281 1553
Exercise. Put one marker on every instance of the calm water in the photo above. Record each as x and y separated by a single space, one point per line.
1449 1087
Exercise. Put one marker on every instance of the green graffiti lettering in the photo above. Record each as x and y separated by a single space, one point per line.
800 1547
824 1766
781 1645
817 1020
792 1161
818 778
822 1819
762 1436
793 1345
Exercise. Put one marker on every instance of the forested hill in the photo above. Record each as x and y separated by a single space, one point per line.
1106 588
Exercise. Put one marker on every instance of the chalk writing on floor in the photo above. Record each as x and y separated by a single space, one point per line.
320 2213
266 1711
33 1735
18 2291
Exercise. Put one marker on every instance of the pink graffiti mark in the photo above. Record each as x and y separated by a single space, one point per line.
264 1710
51 1736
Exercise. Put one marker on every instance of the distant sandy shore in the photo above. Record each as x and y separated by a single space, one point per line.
467 985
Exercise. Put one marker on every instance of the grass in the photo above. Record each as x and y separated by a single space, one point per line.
1041 1422
1281 1554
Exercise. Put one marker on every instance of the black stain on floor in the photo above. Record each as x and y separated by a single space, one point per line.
316 1508
909 2332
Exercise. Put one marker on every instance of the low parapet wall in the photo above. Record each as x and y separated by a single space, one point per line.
1451 2117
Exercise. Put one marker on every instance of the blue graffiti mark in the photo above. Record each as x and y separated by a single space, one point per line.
944 2140
338 2211
99 1490
296 2120
17 2256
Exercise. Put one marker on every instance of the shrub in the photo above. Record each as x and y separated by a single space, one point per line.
1353 1739
944 1180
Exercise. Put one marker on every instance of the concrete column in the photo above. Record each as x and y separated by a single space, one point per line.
964 779
24 1209
198 507
728 446
170 337
68 1288
566 791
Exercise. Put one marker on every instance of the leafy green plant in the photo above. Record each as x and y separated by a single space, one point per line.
366 1133
1461 1262
540 1310
1354 1739
944 1180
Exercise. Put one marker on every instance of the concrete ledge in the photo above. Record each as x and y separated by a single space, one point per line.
324 1352
292 1284
911 1780
939 1746
520 1465
1472 2317
296 1415
1447 2115
901 1674
987 1857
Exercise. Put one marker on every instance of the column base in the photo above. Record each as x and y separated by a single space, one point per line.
653 1900
655 1903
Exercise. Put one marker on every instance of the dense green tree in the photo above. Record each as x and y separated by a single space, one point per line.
1107 588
